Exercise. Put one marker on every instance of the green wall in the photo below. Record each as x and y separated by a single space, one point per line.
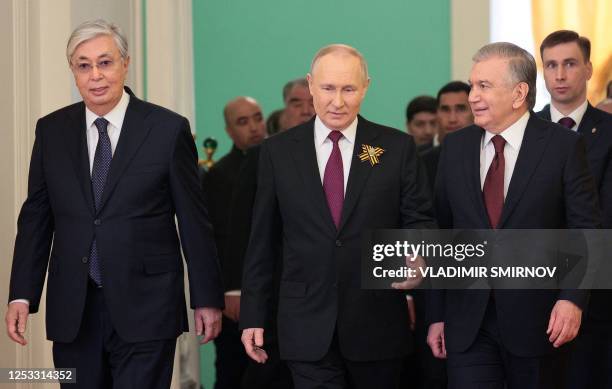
246 47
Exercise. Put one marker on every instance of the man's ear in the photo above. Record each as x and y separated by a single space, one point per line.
589 66
309 79
520 92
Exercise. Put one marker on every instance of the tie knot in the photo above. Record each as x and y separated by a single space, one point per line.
335 136
101 124
498 142
567 122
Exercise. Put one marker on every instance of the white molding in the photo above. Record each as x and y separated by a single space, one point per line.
469 32
170 55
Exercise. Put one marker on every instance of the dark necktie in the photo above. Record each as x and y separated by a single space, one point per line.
333 179
493 188
101 165
567 122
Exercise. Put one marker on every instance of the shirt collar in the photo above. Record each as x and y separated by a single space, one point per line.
577 115
115 116
321 131
513 135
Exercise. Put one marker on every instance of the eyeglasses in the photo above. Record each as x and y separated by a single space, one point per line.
87 67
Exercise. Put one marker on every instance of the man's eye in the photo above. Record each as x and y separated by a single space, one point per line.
105 63
551 65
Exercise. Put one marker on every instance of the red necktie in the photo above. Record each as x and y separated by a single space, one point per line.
493 189
333 179
567 122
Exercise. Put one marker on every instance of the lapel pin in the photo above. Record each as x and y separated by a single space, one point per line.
594 130
372 154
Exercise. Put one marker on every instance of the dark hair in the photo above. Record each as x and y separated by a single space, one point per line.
421 104
288 86
567 36
273 122
451 87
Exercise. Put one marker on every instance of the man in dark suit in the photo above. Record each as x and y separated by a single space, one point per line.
245 125
453 112
567 68
316 196
108 176
517 172
274 373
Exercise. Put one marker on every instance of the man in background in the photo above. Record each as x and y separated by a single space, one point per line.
245 125
453 113
421 121
567 69
298 104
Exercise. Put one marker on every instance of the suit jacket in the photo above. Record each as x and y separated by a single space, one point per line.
219 183
599 155
152 179
551 188
320 290
430 160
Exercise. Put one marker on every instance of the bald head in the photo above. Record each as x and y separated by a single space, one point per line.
244 122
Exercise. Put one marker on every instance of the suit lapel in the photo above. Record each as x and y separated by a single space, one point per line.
76 140
305 157
472 169
133 133
589 122
532 150
360 171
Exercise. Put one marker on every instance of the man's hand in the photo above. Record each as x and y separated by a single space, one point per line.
564 322
207 323
413 264
435 340
253 340
232 307
16 320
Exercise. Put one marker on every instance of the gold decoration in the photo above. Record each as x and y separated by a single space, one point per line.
372 154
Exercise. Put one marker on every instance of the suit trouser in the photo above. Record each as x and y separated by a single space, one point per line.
103 360
487 364
334 371
235 370
590 362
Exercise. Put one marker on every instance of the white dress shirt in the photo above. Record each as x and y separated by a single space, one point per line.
514 137
324 145
577 115
115 121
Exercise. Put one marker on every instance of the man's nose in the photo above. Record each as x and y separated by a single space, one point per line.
560 74
338 100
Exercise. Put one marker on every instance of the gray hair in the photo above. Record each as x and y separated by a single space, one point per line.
288 86
92 29
340 48
521 64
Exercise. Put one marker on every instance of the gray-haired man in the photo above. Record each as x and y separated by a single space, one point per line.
107 178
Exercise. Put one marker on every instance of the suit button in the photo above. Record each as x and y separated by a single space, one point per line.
84 259
97 222
338 243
